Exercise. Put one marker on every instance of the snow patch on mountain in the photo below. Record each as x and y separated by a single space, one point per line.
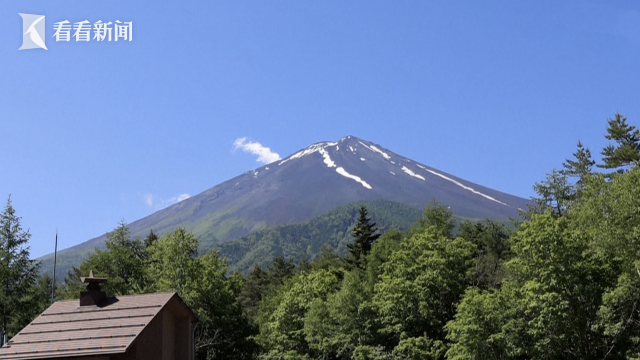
326 158
385 155
344 173
308 151
375 149
466 187
392 173
411 173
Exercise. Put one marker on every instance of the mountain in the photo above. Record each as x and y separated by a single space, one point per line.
308 184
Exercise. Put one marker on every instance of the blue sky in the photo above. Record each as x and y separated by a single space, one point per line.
495 92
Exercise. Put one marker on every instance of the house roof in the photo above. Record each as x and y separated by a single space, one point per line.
67 329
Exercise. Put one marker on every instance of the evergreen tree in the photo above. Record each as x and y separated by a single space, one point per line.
364 234
18 273
581 166
150 239
37 300
304 265
280 271
555 193
254 288
492 250
328 258
627 150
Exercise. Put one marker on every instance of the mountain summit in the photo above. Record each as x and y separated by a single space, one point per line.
309 183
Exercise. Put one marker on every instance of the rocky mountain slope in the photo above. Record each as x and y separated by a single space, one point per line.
308 184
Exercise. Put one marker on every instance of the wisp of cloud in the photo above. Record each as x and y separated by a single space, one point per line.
160 203
265 155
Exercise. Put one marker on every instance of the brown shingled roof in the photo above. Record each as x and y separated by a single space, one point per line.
66 329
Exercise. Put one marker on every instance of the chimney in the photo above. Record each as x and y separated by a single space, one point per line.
93 295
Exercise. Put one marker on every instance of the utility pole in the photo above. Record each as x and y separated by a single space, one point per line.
53 281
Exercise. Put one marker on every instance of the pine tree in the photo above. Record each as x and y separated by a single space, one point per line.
18 273
364 234
555 193
627 151
581 166
151 239
254 288
280 271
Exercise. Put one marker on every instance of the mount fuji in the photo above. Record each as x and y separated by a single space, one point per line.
306 185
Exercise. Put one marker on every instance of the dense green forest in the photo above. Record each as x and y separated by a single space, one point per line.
562 283
305 240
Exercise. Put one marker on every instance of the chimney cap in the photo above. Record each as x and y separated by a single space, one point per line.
93 280
93 295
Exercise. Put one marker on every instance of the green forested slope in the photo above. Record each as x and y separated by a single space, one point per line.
305 240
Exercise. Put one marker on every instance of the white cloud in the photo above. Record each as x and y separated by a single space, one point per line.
158 202
265 155
148 199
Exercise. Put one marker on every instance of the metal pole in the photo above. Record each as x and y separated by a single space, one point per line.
55 260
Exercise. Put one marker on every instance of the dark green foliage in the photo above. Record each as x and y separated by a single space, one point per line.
37 300
150 239
280 271
492 250
18 273
307 239
364 234
627 149
259 283
304 265
328 259
255 287
380 254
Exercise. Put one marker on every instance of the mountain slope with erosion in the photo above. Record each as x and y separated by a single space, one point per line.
308 184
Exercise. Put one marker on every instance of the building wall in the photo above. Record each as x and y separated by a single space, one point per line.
184 338
168 335
148 345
